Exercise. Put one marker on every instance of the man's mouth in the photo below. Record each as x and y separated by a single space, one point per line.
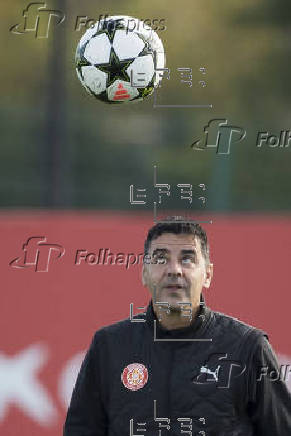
174 287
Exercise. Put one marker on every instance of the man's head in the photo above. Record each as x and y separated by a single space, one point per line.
179 265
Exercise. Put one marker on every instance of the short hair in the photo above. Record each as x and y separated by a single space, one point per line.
178 225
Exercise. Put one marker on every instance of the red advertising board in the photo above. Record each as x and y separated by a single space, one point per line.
59 286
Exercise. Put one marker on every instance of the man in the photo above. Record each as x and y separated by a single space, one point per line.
182 368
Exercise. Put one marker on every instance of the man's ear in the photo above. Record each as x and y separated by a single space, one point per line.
208 275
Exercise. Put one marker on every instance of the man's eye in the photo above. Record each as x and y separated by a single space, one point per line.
187 260
160 259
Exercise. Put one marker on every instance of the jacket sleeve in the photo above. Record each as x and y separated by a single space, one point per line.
269 405
86 414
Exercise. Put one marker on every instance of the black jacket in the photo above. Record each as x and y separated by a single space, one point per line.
219 384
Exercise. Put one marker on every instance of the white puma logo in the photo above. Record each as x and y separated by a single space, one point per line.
206 370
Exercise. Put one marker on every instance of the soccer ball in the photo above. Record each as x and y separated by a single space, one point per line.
117 63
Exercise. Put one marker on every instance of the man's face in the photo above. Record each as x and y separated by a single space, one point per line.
177 270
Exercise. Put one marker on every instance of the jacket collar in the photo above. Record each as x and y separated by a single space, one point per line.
194 330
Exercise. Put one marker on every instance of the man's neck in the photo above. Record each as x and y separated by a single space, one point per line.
175 320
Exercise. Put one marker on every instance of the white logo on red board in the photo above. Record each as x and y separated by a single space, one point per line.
134 376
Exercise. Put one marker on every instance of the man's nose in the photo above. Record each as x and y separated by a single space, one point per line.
174 268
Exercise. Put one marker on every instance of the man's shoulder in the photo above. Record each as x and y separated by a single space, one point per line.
236 334
121 327
238 327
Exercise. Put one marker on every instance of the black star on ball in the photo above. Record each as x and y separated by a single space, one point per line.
115 68
108 27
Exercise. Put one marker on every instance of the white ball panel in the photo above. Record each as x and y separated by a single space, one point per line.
156 44
145 65
127 45
89 33
97 50
94 79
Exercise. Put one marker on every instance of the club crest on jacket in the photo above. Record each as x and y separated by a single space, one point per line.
134 376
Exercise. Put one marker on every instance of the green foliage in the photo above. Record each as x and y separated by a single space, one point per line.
96 151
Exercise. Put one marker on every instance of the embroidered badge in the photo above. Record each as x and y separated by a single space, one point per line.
134 376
